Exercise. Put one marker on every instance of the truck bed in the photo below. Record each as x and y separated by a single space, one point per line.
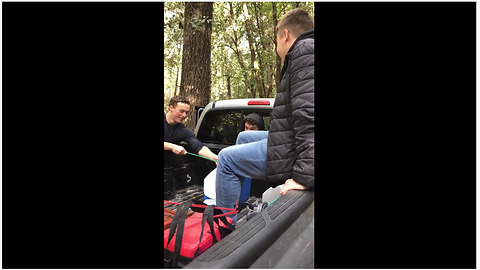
196 193
286 223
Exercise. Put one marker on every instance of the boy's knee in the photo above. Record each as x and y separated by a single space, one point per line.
243 137
242 133
223 155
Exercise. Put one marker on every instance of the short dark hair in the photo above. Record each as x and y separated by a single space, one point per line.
176 99
297 21
251 122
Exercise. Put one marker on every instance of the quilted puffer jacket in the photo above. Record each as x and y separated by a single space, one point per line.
290 148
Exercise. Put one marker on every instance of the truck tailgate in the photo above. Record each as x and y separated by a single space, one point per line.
245 245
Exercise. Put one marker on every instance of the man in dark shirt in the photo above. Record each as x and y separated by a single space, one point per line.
175 132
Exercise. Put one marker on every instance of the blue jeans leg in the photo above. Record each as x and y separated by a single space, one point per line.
234 164
251 136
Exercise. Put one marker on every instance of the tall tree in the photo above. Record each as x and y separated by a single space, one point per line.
236 44
278 60
173 33
195 81
254 68
244 62
263 51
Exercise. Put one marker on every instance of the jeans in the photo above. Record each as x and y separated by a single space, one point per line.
246 159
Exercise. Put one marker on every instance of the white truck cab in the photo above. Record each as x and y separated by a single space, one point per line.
219 123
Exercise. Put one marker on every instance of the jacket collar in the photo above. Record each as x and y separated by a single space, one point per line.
306 35
309 34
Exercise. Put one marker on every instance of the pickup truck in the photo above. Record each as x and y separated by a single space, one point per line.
279 236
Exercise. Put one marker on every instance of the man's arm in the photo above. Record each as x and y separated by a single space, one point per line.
176 149
205 151
197 145
302 100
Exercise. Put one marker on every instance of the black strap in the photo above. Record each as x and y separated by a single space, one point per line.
178 224
208 217
179 218
210 223
225 221
173 224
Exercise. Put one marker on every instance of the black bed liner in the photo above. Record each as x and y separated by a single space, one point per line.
245 245
193 192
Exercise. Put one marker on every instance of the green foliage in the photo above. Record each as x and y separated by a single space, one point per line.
172 44
198 21
233 71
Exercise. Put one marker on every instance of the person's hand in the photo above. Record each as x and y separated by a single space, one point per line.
291 184
179 150
216 158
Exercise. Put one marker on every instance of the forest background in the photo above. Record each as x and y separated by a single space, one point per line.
222 50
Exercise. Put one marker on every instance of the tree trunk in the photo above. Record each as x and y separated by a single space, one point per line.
254 71
176 91
196 77
176 82
266 43
278 60
229 88
239 53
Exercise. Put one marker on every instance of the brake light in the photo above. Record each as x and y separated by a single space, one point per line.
259 102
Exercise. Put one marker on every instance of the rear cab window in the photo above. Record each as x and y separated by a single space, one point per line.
223 126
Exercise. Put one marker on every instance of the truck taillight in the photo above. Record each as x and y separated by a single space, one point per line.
259 102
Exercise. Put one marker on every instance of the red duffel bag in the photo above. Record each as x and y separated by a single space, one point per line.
190 236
